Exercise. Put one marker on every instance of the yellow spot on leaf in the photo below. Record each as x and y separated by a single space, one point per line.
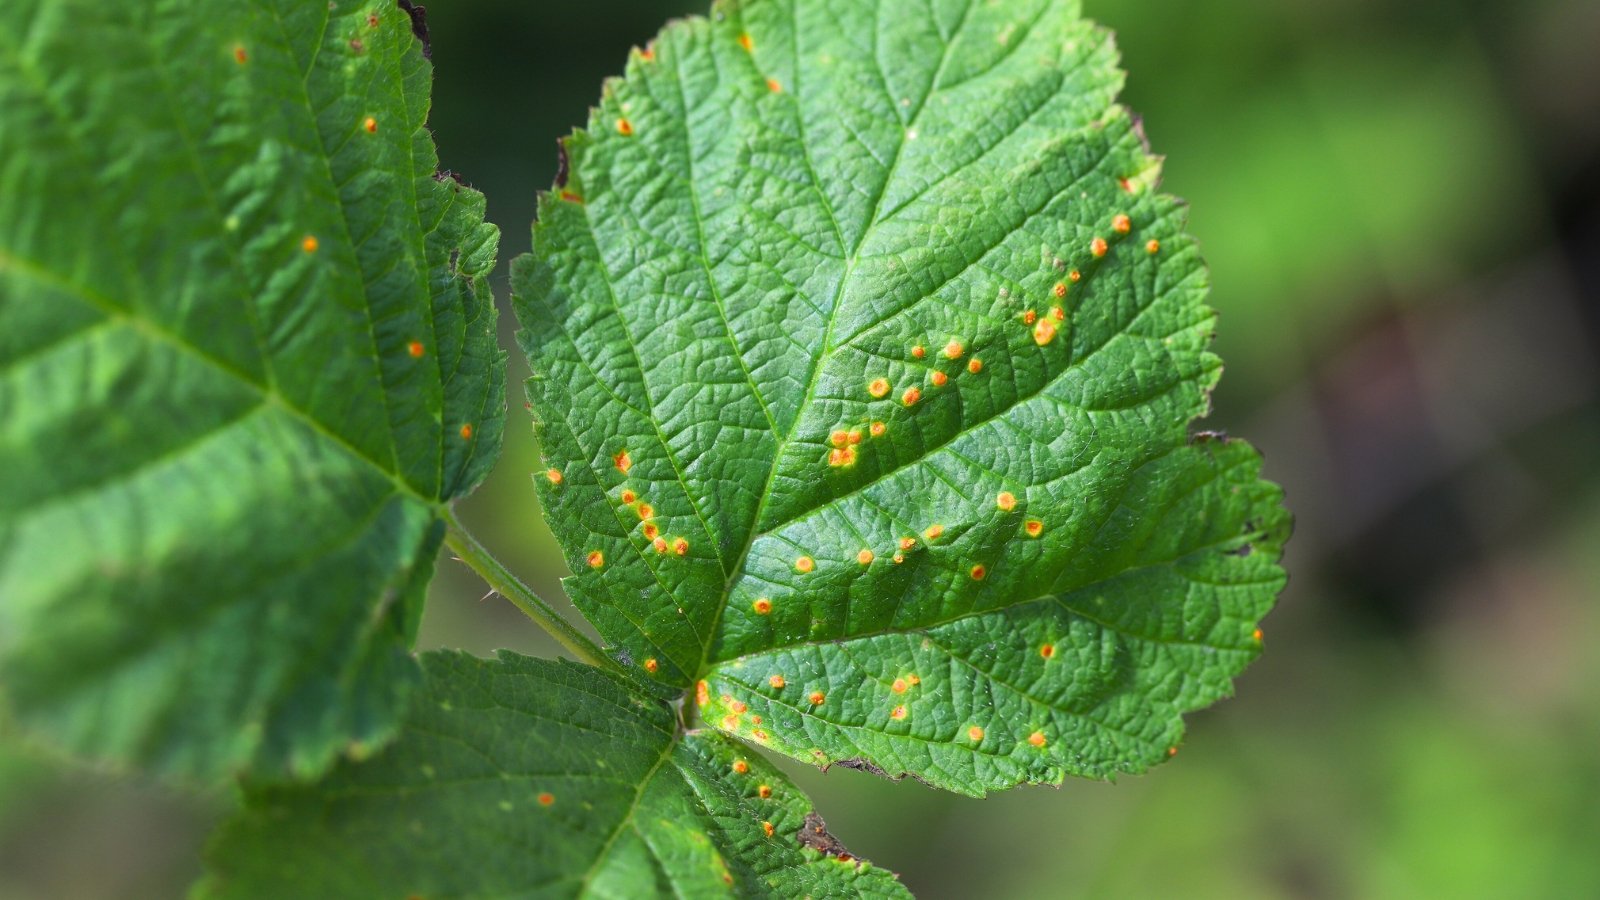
1036 739
1152 247
466 432
938 378
878 429
1006 500
899 686
1044 331
975 734
628 497
546 798
596 559
702 693
767 828
804 564
816 698
1047 651
865 557
879 387
933 532
740 766
370 125
975 366
762 606
416 349
777 683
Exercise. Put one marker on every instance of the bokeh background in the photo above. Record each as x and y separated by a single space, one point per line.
1400 202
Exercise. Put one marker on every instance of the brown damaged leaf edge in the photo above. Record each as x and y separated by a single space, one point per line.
814 834
419 25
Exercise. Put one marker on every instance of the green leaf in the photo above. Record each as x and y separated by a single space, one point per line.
860 396
247 353
527 777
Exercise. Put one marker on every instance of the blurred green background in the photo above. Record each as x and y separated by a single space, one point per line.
1400 203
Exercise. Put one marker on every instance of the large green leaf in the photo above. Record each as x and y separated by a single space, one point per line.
530 778
865 355
246 355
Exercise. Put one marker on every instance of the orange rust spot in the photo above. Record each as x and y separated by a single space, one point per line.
1121 224
933 532
899 557
740 766
622 461
356 46
309 244
596 559
646 511
816 698
647 54
546 798
745 42
804 564
628 497
899 686
906 543
767 828
554 475
978 573
975 366
1074 276
240 55
370 125
975 734
1125 184
764 791
372 20
1058 313
1098 247
839 438
774 86
919 351
762 606
1257 635
702 693
913 679
953 350
865 557
777 683
416 349
898 713
1172 751
1029 317
624 127
1044 331
651 532
1153 247
938 378
466 432
680 546
730 723
755 720
911 396
878 428
855 436
1033 527
1060 289
1036 739
1006 500
570 197
651 666
1047 651
739 706
879 387
660 544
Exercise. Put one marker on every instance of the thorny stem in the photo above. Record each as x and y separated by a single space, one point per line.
491 570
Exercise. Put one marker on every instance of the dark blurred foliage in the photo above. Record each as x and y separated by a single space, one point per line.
1400 203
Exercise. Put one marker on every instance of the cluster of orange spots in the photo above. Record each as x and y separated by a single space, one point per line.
628 496
911 396
1152 247
933 531
899 712
466 432
975 366
546 798
746 43
702 693
817 697
774 86
842 457
767 827
651 666
938 378
841 437
1121 224
1047 651
762 606
878 429
416 349
899 686
879 387
1036 739
777 683
1033 527
1006 500
764 791
1044 331
804 564
596 559
1060 289
978 572
741 767
1098 247
309 244
240 55
1029 317
975 734
622 461
919 351
554 475
370 125
865 557
907 543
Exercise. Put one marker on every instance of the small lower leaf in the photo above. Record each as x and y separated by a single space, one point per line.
528 777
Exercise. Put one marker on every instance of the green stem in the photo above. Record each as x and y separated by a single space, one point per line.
498 577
